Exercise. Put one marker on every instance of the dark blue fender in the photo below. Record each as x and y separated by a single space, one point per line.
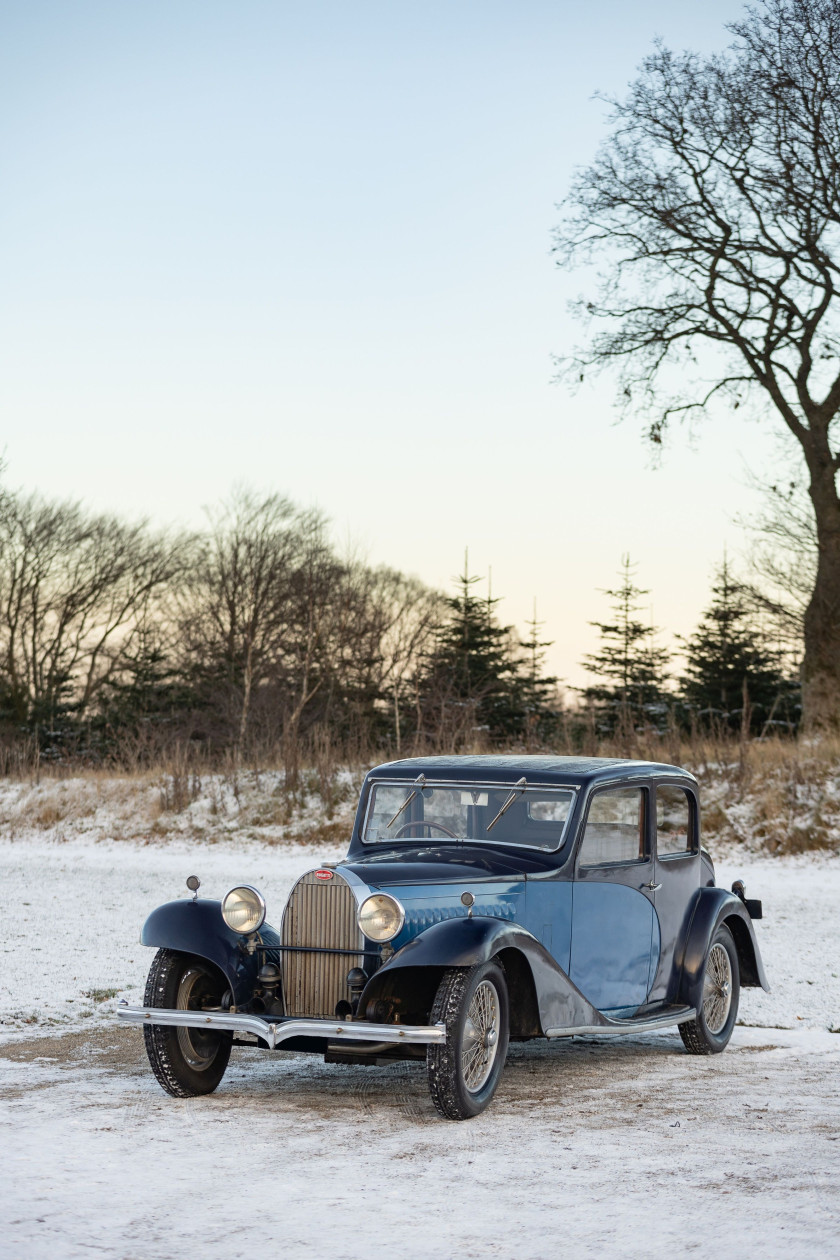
197 927
542 995
713 907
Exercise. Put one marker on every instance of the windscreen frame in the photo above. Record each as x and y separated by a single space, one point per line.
468 786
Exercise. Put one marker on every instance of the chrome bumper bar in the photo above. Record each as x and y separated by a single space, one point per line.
273 1032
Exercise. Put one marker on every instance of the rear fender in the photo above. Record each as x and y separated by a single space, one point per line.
713 908
197 927
542 995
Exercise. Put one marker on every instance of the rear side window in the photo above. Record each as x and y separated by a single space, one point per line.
614 828
673 821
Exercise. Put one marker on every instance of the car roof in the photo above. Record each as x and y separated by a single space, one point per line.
579 771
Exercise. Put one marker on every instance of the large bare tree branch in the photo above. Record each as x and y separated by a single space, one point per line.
713 214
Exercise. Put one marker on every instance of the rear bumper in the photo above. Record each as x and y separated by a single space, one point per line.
275 1031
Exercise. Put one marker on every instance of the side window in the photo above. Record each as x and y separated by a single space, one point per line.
673 821
614 828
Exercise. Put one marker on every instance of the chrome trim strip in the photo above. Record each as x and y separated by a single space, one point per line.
625 1025
360 890
284 1029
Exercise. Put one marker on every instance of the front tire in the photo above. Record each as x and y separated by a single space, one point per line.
709 1033
465 1071
186 1061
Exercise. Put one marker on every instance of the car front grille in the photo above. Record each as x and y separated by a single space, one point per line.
320 915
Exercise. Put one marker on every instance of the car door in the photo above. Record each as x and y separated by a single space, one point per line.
614 927
677 875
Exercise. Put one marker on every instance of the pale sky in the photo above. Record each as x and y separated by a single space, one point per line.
307 247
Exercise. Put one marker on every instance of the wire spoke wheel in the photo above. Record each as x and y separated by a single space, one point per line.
481 1037
717 1002
717 989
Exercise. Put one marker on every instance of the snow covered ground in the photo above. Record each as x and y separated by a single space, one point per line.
621 1148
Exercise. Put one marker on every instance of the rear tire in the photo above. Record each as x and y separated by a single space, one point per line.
186 1061
710 1031
465 1071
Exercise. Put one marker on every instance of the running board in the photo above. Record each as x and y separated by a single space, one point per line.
273 1032
639 1024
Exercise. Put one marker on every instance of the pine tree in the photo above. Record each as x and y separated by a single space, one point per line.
536 689
728 661
148 692
631 665
471 677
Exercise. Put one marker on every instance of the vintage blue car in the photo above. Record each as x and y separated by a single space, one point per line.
481 899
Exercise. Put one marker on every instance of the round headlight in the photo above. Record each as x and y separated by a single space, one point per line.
381 917
243 910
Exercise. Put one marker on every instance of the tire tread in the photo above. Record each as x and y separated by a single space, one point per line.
442 1060
160 1039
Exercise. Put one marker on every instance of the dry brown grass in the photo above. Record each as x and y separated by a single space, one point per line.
774 796
172 802
779 796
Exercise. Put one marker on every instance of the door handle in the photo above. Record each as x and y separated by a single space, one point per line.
652 886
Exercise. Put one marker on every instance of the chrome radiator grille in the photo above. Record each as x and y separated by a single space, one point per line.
320 914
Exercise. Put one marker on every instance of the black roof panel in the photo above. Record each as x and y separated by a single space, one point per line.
509 768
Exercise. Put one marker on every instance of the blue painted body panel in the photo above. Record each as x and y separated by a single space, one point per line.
427 904
615 931
542 908
548 917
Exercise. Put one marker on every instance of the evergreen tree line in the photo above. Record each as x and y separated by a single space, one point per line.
255 637
739 673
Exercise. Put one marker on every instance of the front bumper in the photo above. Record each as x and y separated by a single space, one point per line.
273 1031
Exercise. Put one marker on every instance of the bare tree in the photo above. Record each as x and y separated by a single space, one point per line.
235 607
320 623
713 211
406 615
74 587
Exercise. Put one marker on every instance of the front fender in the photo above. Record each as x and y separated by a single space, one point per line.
464 942
197 927
713 907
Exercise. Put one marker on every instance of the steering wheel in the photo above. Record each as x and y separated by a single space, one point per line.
424 823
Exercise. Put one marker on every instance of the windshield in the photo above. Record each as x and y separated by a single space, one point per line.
446 813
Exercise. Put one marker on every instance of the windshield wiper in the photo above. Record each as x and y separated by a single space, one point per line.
518 787
418 783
